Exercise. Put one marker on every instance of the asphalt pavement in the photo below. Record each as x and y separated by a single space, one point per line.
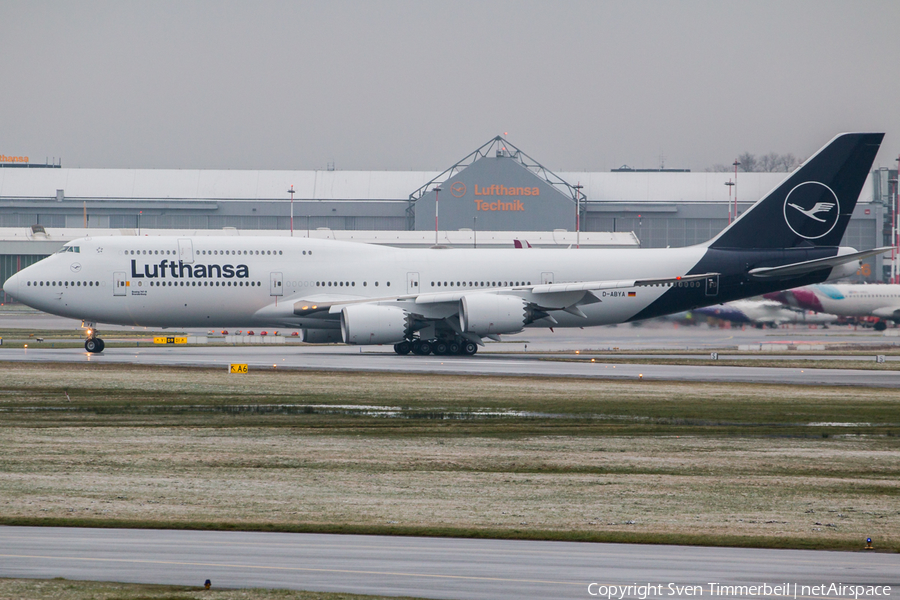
430 567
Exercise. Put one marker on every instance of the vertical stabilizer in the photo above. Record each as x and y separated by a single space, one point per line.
813 205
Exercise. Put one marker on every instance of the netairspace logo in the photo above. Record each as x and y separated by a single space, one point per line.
721 590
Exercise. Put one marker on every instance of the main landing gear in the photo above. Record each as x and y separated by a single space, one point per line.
439 347
93 344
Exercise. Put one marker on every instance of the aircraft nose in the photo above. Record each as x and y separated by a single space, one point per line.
11 286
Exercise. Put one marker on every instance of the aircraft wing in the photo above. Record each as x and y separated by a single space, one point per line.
592 286
549 293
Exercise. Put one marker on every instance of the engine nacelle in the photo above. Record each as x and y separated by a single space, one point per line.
322 336
486 314
847 269
371 324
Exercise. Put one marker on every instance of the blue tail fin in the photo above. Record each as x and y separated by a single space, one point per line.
813 205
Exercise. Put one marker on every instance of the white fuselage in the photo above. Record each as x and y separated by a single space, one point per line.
853 300
239 281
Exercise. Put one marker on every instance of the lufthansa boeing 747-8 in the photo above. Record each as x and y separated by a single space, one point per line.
447 300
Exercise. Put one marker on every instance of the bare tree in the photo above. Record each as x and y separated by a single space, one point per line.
788 162
767 163
748 162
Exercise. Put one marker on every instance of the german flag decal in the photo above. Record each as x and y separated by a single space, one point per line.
632 294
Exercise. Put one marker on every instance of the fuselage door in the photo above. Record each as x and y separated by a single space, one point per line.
276 284
712 285
185 251
546 277
412 283
120 283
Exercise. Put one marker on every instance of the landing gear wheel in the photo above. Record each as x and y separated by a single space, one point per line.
94 345
441 348
453 348
421 347
880 326
402 348
469 348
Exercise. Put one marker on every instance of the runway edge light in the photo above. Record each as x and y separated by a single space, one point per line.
869 544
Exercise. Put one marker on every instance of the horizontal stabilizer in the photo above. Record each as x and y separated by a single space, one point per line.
810 266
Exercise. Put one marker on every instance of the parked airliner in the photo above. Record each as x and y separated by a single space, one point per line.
847 300
448 300
762 313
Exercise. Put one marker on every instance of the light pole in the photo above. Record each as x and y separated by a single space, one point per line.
736 163
291 192
895 237
578 187
730 185
895 228
437 192
475 232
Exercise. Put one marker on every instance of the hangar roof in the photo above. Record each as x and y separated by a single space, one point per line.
211 184
190 184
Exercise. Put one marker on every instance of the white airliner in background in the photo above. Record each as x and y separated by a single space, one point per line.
447 300
761 313
846 300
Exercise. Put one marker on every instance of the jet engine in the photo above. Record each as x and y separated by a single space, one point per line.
322 336
372 324
489 314
847 269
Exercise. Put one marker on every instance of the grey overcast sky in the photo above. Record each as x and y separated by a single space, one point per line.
397 85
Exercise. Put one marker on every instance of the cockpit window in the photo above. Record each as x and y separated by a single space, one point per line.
76 249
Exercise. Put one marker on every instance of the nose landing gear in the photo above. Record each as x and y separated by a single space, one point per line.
92 344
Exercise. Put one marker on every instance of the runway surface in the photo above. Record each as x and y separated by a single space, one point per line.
384 360
427 567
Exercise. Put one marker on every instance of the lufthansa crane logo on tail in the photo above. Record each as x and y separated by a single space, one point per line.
811 210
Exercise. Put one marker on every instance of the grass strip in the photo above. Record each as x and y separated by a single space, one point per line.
70 589
618 536
759 465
